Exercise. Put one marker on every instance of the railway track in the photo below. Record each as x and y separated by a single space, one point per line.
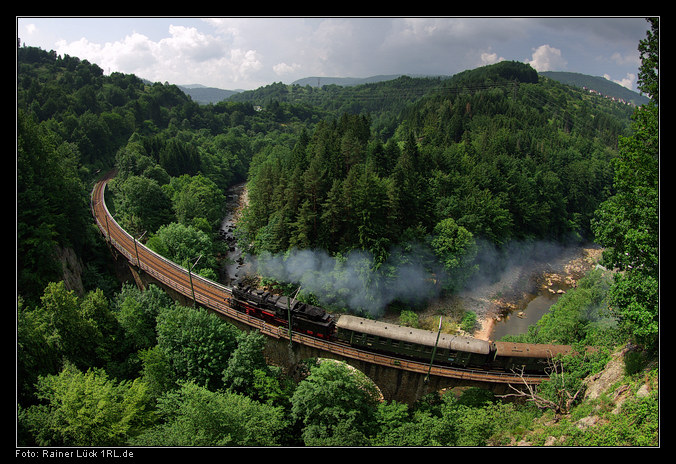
216 297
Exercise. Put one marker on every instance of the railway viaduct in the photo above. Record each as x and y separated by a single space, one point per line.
397 379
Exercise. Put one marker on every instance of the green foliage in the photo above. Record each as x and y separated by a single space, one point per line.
473 419
635 361
468 322
185 245
136 312
195 416
60 327
636 425
87 409
409 319
634 422
196 197
603 86
409 167
335 405
74 122
482 155
197 344
156 371
627 224
455 247
51 204
142 204
245 364
581 315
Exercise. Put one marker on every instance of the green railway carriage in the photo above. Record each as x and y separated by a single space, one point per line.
412 343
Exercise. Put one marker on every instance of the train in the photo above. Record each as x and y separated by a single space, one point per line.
395 340
274 309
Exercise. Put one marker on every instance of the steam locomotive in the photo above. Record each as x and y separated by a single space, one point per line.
274 309
395 340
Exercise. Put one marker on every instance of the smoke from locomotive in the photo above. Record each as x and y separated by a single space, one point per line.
351 280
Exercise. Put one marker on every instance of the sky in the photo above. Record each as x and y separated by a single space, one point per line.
244 53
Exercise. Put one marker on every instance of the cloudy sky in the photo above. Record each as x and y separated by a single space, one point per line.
246 53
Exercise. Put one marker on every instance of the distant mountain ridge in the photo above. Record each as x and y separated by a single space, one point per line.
345 81
205 95
598 84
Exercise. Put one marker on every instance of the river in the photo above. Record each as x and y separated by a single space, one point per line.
534 296
528 313
233 267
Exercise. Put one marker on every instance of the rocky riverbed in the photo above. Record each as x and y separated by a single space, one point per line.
234 265
509 295
539 284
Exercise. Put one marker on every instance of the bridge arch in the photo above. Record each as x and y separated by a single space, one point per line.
361 376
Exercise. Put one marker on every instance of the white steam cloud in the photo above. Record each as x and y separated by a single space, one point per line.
352 281
410 275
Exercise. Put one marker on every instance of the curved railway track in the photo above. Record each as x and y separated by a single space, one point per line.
216 297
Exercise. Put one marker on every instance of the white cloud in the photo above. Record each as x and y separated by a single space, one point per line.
627 82
186 56
30 28
282 69
547 58
490 58
250 52
242 63
187 44
629 59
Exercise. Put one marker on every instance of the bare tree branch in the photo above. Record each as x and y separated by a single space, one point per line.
564 399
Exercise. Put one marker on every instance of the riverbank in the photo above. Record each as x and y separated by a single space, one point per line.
495 301
554 277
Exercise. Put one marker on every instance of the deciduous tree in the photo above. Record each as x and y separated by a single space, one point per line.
628 223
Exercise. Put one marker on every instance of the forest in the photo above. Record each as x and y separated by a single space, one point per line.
411 172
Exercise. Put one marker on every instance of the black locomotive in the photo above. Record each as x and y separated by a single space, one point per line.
395 340
274 309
